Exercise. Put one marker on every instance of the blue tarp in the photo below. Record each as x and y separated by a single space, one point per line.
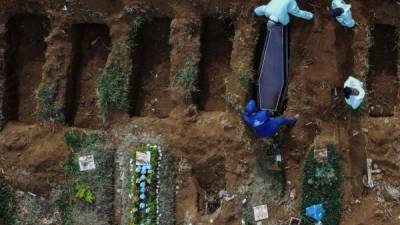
316 212
273 70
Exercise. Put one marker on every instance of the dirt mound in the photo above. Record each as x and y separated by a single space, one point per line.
33 157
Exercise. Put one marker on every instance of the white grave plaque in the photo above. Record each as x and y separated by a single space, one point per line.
143 158
295 221
86 163
260 212
321 154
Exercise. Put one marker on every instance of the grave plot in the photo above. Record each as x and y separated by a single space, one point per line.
216 47
149 88
25 57
91 47
210 177
382 81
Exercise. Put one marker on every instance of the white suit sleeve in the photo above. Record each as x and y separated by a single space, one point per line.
261 11
294 9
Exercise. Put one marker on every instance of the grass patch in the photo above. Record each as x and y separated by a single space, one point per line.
246 81
7 203
45 96
233 102
47 70
187 78
321 183
112 88
94 205
64 206
134 27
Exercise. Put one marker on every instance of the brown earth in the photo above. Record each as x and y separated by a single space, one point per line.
213 150
90 52
24 62
216 49
153 65
33 156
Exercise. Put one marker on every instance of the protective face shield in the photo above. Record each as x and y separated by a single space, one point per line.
336 12
270 24
347 92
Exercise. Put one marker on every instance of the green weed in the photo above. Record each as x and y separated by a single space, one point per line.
77 140
246 81
64 206
187 78
83 193
45 96
47 70
134 28
7 209
112 88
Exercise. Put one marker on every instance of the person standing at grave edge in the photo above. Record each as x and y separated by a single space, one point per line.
354 92
277 11
342 13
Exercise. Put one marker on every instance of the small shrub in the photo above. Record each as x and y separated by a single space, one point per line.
246 81
112 88
187 78
47 70
134 28
7 210
77 140
133 9
45 96
83 193
321 183
64 207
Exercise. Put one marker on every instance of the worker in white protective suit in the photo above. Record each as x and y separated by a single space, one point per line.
277 11
354 92
342 12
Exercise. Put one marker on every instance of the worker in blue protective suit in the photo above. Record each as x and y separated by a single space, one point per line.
277 11
342 12
354 92
261 121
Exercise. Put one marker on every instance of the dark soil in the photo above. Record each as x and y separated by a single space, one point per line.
211 180
150 93
216 48
25 58
383 86
91 47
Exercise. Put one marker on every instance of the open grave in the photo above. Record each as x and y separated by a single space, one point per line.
149 88
91 47
210 177
25 57
383 86
216 47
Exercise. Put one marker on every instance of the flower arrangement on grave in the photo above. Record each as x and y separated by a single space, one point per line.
144 185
